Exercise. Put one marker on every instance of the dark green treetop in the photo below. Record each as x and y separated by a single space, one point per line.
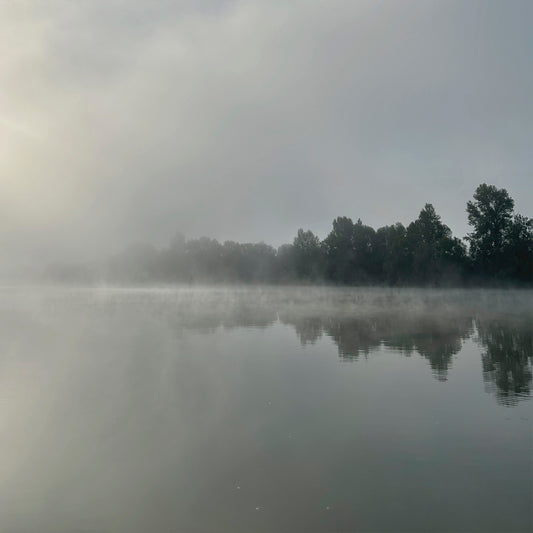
490 214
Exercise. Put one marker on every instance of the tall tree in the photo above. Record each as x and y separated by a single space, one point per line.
518 249
364 260
490 214
391 254
338 246
307 255
349 250
433 253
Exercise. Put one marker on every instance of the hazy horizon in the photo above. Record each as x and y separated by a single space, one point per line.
126 122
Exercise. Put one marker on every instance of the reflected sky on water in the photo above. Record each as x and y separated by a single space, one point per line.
262 409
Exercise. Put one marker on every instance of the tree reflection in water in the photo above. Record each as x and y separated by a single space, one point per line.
436 337
432 323
504 334
507 358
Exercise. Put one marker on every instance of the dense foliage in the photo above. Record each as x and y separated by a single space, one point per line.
500 250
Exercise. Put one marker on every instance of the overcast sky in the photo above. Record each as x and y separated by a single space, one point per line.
125 121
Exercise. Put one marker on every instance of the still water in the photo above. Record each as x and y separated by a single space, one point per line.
265 410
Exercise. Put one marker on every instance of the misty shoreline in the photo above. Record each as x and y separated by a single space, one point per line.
425 253
236 286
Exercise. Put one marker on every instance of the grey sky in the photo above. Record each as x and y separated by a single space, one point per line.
123 121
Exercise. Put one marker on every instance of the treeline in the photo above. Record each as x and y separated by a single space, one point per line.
498 250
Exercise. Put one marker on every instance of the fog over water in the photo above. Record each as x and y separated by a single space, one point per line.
265 409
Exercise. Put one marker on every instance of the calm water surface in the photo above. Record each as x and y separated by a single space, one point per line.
265 410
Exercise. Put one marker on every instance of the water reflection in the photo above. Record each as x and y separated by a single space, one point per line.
436 337
507 359
507 343
433 324
193 410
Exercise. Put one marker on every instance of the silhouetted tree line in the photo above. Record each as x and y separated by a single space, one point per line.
498 250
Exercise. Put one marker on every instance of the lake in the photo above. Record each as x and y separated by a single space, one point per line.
265 410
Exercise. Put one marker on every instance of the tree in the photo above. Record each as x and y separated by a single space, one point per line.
391 253
285 269
518 249
203 259
307 255
434 254
339 251
349 250
364 260
490 214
